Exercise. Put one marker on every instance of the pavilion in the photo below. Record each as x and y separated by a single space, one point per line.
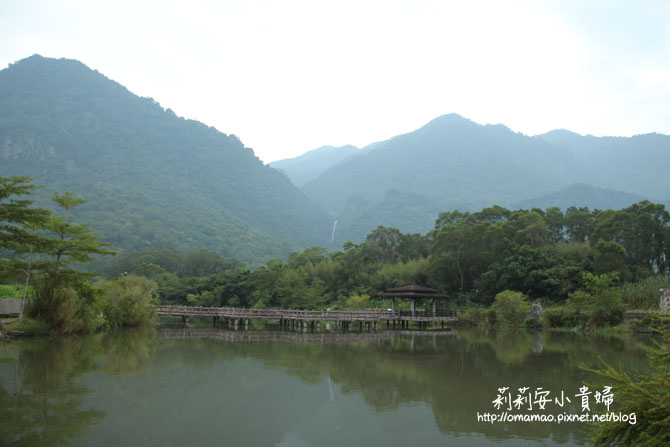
414 292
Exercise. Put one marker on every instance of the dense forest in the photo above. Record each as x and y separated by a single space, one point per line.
548 255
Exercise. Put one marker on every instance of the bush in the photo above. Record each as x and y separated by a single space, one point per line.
598 306
472 316
66 309
128 301
531 323
511 308
357 302
554 316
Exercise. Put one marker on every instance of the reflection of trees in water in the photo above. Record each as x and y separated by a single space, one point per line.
456 376
44 406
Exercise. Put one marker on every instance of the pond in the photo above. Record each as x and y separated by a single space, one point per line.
202 386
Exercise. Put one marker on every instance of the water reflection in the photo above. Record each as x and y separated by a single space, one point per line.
200 386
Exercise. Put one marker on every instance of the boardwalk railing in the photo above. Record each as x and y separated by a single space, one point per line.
302 315
428 313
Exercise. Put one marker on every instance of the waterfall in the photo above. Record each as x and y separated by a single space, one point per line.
332 236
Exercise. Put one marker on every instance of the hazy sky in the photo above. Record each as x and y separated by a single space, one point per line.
292 75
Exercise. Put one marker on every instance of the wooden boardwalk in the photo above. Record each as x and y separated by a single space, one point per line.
342 319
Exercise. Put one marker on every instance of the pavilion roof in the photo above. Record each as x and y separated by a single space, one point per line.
413 291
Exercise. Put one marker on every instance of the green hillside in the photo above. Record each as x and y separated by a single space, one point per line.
152 179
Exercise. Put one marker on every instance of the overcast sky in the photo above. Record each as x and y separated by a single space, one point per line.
289 76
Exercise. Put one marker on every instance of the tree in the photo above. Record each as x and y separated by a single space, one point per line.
578 224
19 226
70 243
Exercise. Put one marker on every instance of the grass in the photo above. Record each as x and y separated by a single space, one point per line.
13 291
644 294
29 327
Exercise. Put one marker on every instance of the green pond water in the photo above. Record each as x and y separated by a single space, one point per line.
203 386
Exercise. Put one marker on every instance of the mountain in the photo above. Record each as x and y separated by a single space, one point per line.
152 179
454 159
581 195
635 164
455 163
311 164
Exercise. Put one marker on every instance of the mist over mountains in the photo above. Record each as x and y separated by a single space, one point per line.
454 163
311 164
156 180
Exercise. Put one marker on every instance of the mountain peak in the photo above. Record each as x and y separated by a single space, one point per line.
450 119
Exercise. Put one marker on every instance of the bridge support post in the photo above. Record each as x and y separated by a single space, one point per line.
184 319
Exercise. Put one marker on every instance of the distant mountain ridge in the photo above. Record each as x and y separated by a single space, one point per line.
152 179
581 195
311 164
452 158
457 163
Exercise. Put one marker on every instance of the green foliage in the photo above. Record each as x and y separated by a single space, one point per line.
357 302
66 308
12 291
31 327
647 395
511 308
554 317
476 315
598 304
643 294
128 301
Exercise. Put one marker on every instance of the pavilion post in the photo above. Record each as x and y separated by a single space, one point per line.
413 306
393 305
434 313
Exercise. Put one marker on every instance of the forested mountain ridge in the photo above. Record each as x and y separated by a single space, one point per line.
455 163
152 179
634 164
581 195
452 158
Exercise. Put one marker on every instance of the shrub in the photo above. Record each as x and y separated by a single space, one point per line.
128 301
531 323
357 302
65 308
554 316
511 307
597 306
472 316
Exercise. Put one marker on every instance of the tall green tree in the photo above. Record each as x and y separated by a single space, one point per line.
20 225
71 243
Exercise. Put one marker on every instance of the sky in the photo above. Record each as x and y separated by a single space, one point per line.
292 75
